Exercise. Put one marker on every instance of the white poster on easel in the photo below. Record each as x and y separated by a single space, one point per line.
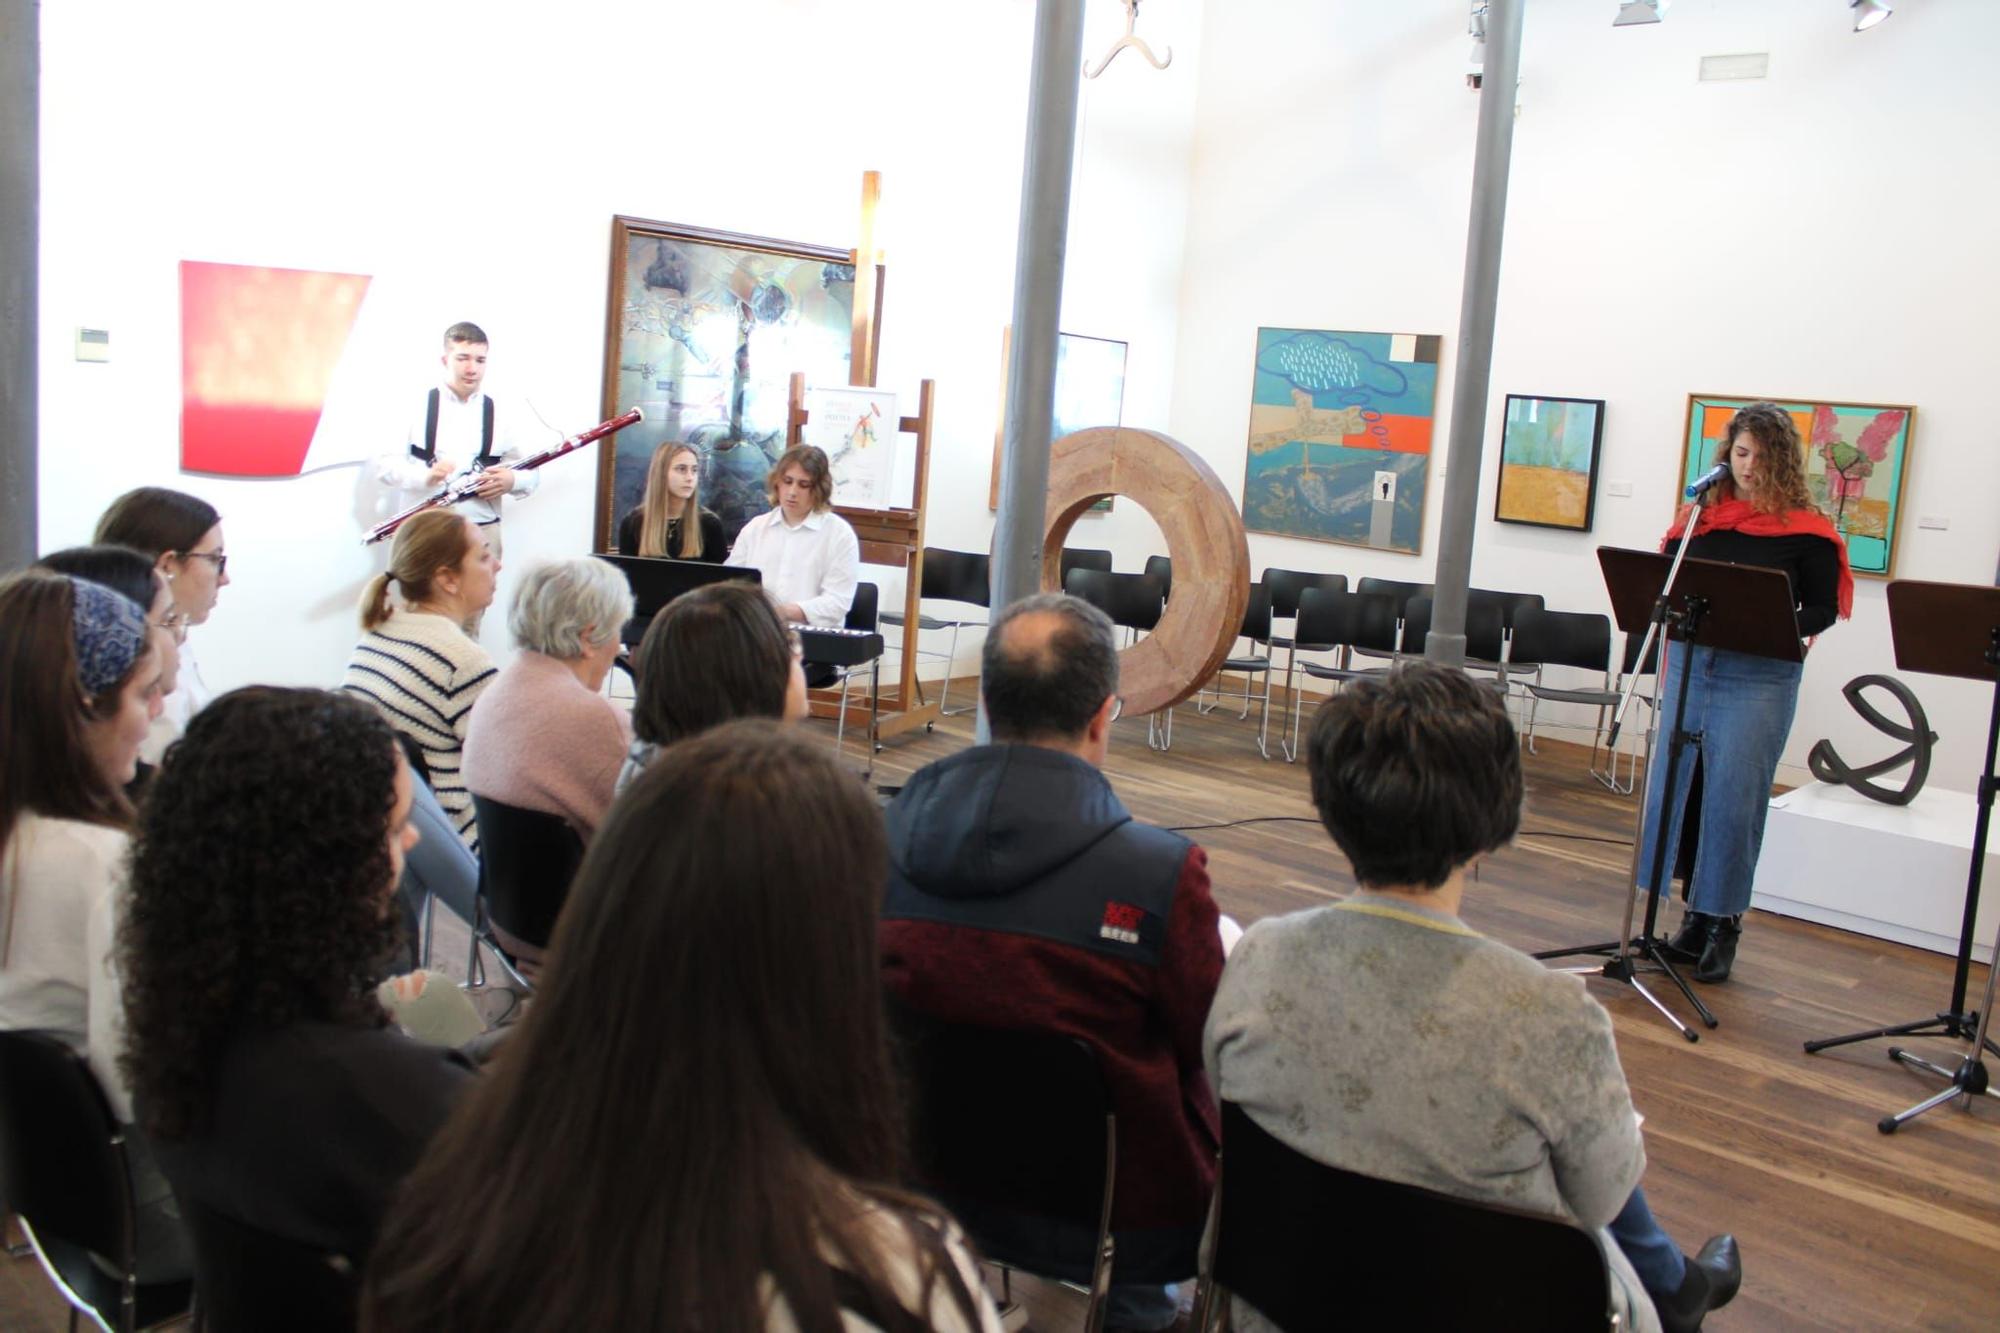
858 429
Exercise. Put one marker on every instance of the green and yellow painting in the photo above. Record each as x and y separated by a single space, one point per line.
1548 461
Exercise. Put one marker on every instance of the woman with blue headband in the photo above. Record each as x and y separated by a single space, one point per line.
79 688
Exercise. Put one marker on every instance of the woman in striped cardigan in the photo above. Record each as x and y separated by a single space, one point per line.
415 661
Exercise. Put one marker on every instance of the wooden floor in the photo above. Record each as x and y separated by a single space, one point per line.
1841 1227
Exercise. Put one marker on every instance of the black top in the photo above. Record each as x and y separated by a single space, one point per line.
313 1127
1812 563
714 550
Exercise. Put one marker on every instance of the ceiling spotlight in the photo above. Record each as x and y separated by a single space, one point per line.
1639 11
1868 13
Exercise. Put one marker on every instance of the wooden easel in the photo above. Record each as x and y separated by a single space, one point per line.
888 537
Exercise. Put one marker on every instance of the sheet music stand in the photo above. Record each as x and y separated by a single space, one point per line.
1949 629
1741 608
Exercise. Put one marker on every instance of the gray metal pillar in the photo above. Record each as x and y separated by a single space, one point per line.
1038 279
1475 329
20 200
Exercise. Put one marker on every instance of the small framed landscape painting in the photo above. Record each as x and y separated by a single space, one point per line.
1855 458
1548 461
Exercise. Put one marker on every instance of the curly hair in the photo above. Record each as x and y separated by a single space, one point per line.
811 460
1781 458
259 889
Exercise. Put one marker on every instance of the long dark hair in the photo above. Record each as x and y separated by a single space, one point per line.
715 654
260 876
701 1091
45 762
122 569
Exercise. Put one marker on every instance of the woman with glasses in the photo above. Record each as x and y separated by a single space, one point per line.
182 535
713 655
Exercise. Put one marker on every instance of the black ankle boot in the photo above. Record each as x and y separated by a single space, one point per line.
1712 1279
1720 953
1690 939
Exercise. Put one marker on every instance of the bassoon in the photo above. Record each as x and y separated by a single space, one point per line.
466 485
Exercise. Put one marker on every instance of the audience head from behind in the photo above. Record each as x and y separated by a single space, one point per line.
440 564
800 483
260 893
79 688
1415 774
131 574
1049 676
714 655
181 534
572 611
742 1062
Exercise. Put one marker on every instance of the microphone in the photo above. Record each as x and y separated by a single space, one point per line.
1708 479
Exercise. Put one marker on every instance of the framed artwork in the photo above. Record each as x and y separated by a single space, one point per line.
1548 461
1340 436
1090 391
703 331
1856 457
258 351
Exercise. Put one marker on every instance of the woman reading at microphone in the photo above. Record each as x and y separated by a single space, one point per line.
1758 513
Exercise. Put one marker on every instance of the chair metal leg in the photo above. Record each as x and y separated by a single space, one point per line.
1288 736
1264 717
428 928
840 725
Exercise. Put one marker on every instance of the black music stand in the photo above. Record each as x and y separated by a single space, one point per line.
1741 608
1949 629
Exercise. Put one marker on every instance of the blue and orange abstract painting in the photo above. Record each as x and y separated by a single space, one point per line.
1340 436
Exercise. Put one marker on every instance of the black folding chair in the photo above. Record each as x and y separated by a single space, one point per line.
1019 1122
1161 567
1485 637
1343 623
1134 602
1581 640
1314 1247
65 1170
527 859
949 576
250 1281
861 617
1257 629
1400 593
1084 557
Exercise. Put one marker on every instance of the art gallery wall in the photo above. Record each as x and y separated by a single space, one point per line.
1825 231
471 162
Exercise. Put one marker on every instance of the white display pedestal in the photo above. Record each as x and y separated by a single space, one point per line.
1833 856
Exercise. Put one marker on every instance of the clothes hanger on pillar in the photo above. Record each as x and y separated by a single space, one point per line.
1132 40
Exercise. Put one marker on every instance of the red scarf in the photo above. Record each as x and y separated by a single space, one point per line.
1744 517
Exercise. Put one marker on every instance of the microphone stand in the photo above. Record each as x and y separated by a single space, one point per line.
1628 950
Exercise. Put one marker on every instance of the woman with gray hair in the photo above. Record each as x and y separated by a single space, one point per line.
543 736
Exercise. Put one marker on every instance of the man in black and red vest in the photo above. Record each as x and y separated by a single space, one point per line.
1023 895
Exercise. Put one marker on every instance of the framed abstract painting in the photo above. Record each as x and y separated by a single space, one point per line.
1548 461
1340 436
1856 455
703 331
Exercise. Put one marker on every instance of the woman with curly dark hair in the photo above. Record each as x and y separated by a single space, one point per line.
263 1067
1760 514
700 1097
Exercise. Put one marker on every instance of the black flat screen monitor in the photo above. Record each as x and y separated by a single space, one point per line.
656 581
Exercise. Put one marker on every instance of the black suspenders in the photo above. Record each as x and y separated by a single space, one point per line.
427 451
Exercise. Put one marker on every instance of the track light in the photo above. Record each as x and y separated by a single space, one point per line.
1868 13
1640 11
1475 69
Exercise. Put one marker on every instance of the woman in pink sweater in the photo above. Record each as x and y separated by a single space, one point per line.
542 735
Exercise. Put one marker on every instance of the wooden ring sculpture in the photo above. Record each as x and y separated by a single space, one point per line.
1205 540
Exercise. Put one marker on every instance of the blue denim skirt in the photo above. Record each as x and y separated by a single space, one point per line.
1742 706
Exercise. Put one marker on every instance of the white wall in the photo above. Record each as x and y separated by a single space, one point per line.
1824 232
472 160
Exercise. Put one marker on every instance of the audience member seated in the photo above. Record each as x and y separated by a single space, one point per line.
715 1146
658 525
1022 895
542 736
182 536
79 689
1382 1035
713 655
132 575
262 1063
415 661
